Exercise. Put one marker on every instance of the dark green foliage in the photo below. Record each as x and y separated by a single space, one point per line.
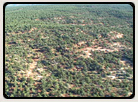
44 56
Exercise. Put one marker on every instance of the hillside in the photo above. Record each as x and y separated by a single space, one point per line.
69 50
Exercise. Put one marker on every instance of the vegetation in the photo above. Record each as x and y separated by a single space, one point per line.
69 51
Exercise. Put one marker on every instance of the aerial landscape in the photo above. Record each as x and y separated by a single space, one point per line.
69 50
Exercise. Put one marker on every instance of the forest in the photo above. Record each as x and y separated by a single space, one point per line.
69 50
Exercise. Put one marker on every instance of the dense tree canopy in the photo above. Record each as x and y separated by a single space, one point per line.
78 50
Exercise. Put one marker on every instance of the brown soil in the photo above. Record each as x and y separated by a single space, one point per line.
123 62
32 29
48 75
58 18
8 44
37 19
115 46
87 54
53 50
116 35
29 73
88 49
65 95
81 43
71 85
73 69
29 55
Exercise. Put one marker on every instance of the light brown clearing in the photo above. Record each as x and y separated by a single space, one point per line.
32 29
122 62
29 72
49 74
119 35
99 36
77 29
58 18
116 35
38 77
115 46
88 49
81 43
30 40
62 34
37 19
36 59
73 69
101 23
53 50
78 87
8 44
71 85
112 77
45 37
34 75
32 66
29 55
100 18
72 16
36 50
64 95
87 54
67 48
39 91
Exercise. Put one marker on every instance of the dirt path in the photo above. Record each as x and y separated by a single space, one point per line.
29 72
32 72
